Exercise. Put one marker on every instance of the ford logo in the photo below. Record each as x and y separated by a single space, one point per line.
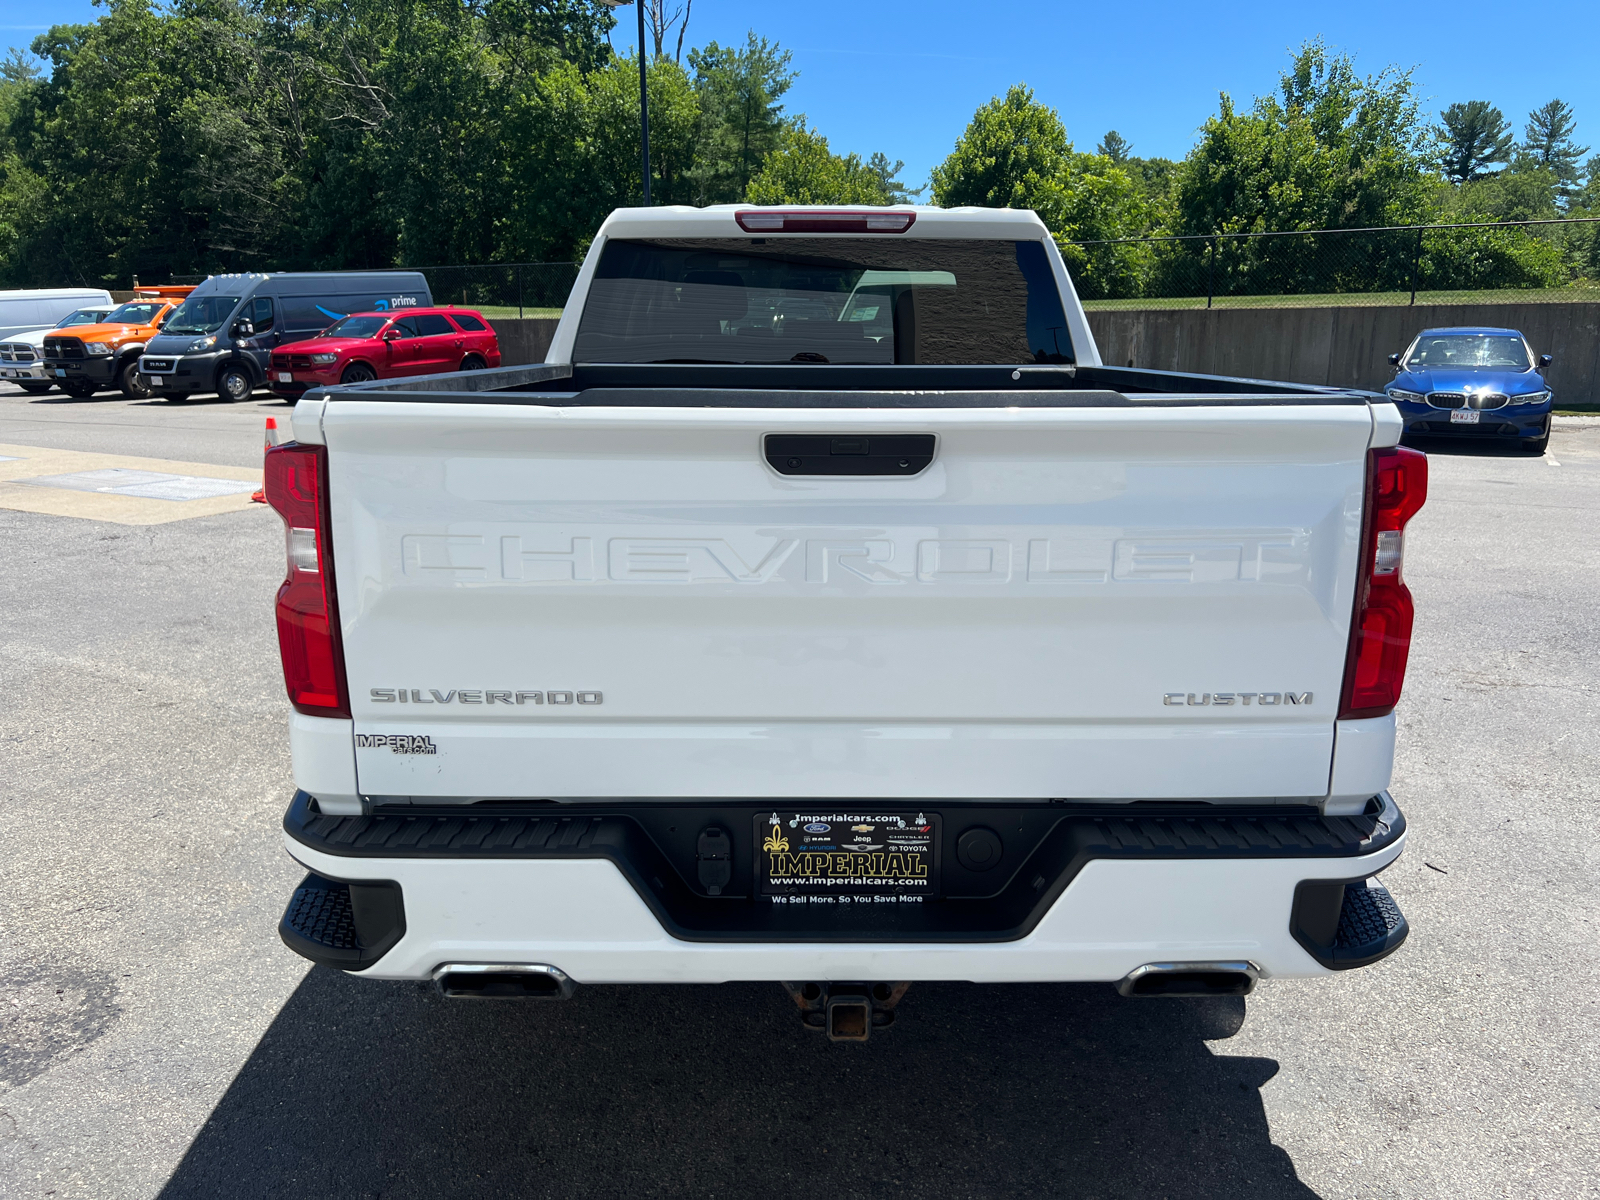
818 827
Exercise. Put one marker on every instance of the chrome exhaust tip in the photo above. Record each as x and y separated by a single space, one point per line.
502 981
1190 979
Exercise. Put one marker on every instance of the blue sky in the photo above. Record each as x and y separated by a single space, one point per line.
905 78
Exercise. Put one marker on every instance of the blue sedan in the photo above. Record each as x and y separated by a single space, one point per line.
1473 383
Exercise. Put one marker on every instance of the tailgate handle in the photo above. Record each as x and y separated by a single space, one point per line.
849 454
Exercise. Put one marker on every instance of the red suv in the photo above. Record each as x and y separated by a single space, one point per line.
386 345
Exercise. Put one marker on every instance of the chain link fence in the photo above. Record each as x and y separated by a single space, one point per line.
1512 261
1546 261
504 289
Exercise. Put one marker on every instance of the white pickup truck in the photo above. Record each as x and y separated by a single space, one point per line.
824 611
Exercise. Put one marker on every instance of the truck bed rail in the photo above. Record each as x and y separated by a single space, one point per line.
815 385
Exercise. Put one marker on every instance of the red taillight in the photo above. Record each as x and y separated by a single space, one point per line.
1380 632
308 617
880 220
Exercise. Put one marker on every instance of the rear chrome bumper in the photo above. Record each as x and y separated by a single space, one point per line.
602 916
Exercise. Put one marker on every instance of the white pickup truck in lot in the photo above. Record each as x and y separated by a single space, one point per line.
824 611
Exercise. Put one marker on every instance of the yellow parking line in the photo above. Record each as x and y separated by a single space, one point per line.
21 463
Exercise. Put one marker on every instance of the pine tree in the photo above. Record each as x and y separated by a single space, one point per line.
1548 143
1115 147
742 119
1476 137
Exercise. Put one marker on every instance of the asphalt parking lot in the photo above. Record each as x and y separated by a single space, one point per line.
156 1039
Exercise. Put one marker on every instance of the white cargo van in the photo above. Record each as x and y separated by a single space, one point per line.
42 308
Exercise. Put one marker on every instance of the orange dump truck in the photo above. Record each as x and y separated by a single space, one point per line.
95 358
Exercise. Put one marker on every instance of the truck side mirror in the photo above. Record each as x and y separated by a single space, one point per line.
243 329
1394 360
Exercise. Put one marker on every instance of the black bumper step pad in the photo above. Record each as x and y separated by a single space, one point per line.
1043 846
1371 925
343 925
1344 924
319 912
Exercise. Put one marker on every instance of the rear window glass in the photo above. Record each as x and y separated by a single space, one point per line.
468 322
430 324
832 300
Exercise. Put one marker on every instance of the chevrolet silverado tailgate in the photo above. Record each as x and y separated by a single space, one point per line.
1112 603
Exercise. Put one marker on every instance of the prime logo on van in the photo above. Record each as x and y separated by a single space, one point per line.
481 696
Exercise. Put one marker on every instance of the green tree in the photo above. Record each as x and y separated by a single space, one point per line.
152 146
1548 141
1475 137
1115 147
1155 176
1528 194
574 141
741 117
1013 154
802 170
1587 197
888 176
1548 145
1332 149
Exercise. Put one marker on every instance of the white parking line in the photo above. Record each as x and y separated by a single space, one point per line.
120 488
152 485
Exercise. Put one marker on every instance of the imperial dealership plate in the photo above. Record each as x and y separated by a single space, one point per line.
844 857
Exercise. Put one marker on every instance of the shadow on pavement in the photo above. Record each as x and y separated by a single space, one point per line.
1468 448
364 1089
63 398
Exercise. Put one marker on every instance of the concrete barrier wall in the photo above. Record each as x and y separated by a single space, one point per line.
523 340
1347 347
